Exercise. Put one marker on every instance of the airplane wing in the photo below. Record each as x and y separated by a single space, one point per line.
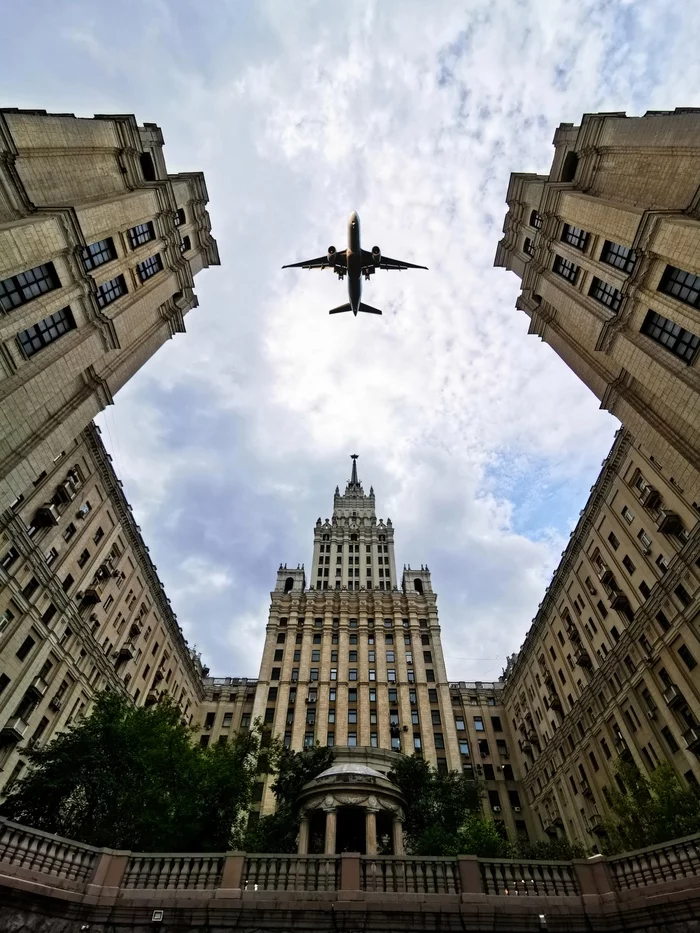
386 263
339 262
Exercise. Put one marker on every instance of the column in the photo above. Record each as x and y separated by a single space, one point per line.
303 847
371 832
398 836
329 847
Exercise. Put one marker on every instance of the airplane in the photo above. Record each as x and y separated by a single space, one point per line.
354 262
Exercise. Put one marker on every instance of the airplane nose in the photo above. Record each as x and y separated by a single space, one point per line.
354 219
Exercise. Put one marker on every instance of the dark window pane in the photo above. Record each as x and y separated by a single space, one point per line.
19 289
681 285
109 291
567 270
574 236
149 267
45 332
535 220
141 233
605 294
96 254
622 257
670 335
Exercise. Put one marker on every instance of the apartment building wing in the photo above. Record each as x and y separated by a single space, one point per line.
607 247
98 250
609 666
487 750
81 606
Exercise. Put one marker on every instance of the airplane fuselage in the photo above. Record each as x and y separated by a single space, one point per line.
354 261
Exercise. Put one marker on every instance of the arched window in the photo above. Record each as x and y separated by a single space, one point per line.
535 220
289 584
418 585
568 172
147 167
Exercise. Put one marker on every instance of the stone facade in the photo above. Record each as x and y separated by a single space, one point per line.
81 607
609 667
98 250
608 250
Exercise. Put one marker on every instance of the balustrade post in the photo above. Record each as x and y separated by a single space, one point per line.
594 876
109 873
232 876
350 871
469 874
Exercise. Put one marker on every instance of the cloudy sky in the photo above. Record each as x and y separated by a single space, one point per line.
479 442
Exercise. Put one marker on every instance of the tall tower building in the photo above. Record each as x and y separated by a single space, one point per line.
355 660
99 246
607 247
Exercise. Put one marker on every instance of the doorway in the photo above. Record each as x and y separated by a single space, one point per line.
350 830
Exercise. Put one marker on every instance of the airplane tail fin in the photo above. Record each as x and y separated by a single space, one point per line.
368 309
340 309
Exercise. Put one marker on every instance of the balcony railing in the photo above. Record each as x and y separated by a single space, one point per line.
582 657
528 878
410 874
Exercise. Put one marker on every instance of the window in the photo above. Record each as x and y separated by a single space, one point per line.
25 647
330 739
496 724
391 676
275 673
528 247
628 565
478 724
681 285
670 741
97 254
464 747
606 294
279 654
141 233
21 288
352 739
622 257
435 717
627 514
352 673
535 220
439 739
459 723
574 236
566 269
672 336
43 333
149 267
687 657
427 657
432 695
179 217
315 655
308 740
313 673
430 676
372 674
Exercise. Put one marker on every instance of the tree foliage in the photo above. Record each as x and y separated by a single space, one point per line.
443 811
277 832
130 778
652 809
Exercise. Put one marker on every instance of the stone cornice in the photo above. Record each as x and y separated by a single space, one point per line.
610 470
117 498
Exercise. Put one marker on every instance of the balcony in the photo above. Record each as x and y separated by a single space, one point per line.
572 632
126 652
46 516
673 696
55 704
92 595
555 702
551 830
157 677
38 687
595 824
151 698
650 498
525 747
607 578
691 738
586 790
582 657
531 736
135 630
670 523
14 729
619 601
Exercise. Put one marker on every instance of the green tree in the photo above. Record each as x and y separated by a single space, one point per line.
651 810
277 832
443 811
549 850
130 778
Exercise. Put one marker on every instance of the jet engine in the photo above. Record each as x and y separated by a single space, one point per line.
331 254
376 255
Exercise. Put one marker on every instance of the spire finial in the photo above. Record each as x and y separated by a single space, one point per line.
353 478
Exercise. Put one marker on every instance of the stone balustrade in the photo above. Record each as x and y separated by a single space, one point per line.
271 890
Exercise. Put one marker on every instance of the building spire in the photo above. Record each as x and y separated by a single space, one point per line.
353 479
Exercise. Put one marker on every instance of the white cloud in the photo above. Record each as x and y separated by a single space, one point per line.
479 441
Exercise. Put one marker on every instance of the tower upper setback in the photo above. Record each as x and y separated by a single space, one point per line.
354 550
